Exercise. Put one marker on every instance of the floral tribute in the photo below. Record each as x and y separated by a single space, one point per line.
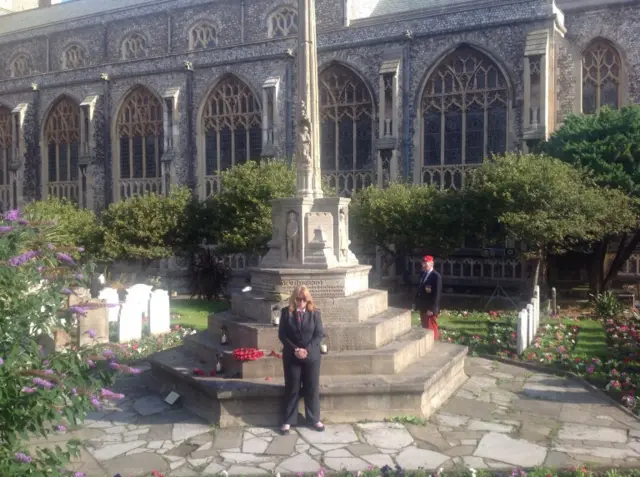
43 393
247 354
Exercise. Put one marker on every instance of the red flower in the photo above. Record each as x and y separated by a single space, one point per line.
267 378
157 474
135 346
198 372
212 372
247 354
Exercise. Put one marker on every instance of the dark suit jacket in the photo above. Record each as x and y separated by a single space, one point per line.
429 301
309 335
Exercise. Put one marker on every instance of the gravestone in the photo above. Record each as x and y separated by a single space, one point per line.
522 332
96 319
111 298
159 312
129 321
531 323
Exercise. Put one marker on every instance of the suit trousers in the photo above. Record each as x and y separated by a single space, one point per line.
430 323
301 379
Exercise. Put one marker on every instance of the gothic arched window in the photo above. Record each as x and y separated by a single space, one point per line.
232 128
464 116
346 130
73 57
202 35
21 66
5 158
601 67
283 22
62 135
141 141
134 46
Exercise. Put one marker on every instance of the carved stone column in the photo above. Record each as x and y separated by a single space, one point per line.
171 127
86 161
270 116
19 117
388 120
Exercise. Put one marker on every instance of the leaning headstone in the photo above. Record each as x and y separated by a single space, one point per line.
531 324
129 322
159 312
522 331
96 321
112 300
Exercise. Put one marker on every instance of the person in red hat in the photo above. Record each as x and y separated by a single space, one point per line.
427 300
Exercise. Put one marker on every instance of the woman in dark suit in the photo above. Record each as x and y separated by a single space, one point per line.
301 332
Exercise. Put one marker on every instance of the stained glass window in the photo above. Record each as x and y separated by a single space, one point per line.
600 77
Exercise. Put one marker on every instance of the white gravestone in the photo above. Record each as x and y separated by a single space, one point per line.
536 294
530 318
159 312
111 298
139 295
523 331
129 328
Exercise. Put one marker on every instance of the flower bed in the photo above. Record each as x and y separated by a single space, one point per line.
488 333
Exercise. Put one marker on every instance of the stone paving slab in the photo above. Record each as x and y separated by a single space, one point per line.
503 417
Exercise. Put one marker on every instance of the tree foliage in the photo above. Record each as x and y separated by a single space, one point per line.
403 218
73 225
147 227
545 203
241 212
607 145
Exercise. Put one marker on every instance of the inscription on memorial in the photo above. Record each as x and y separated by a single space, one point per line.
323 220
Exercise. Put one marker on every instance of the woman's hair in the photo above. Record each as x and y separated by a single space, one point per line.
297 291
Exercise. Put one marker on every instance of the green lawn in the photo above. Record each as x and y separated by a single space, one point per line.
592 340
194 313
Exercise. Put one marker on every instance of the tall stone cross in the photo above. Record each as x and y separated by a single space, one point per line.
308 179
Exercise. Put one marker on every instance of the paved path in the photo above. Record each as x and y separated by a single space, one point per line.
504 416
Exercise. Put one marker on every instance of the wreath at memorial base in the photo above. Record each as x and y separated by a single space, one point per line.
247 354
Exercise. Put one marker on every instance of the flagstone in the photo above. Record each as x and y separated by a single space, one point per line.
149 405
114 450
583 432
300 463
185 430
379 460
503 448
414 458
212 469
243 470
389 437
333 434
349 464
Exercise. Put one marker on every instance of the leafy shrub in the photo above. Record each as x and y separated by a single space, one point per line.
208 273
74 225
241 213
38 394
147 227
607 305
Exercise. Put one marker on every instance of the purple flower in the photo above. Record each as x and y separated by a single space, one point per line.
40 268
79 276
1 361
91 333
12 215
21 457
96 402
42 382
23 258
111 305
28 390
80 249
113 365
45 362
50 246
91 363
61 428
107 353
5 229
79 474
78 309
48 372
67 291
23 222
106 394
63 257
74 391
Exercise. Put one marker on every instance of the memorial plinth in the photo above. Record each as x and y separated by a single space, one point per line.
377 366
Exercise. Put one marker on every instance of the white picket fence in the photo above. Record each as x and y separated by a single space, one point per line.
141 301
528 322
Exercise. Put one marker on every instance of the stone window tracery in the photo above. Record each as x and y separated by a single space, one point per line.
601 68
21 66
202 35
232 128
134 46
346 130
62 135
6 146
141 137
283 22
464 116
73 57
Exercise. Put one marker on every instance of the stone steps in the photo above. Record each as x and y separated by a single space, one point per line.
373 333
420 388
354 308
389 359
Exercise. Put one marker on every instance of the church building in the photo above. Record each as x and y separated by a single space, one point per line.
103 100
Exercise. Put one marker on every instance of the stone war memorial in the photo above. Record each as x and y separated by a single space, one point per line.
376 365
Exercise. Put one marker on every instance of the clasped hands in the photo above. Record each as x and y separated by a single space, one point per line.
301 353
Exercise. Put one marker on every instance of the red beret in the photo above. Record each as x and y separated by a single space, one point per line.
427 258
